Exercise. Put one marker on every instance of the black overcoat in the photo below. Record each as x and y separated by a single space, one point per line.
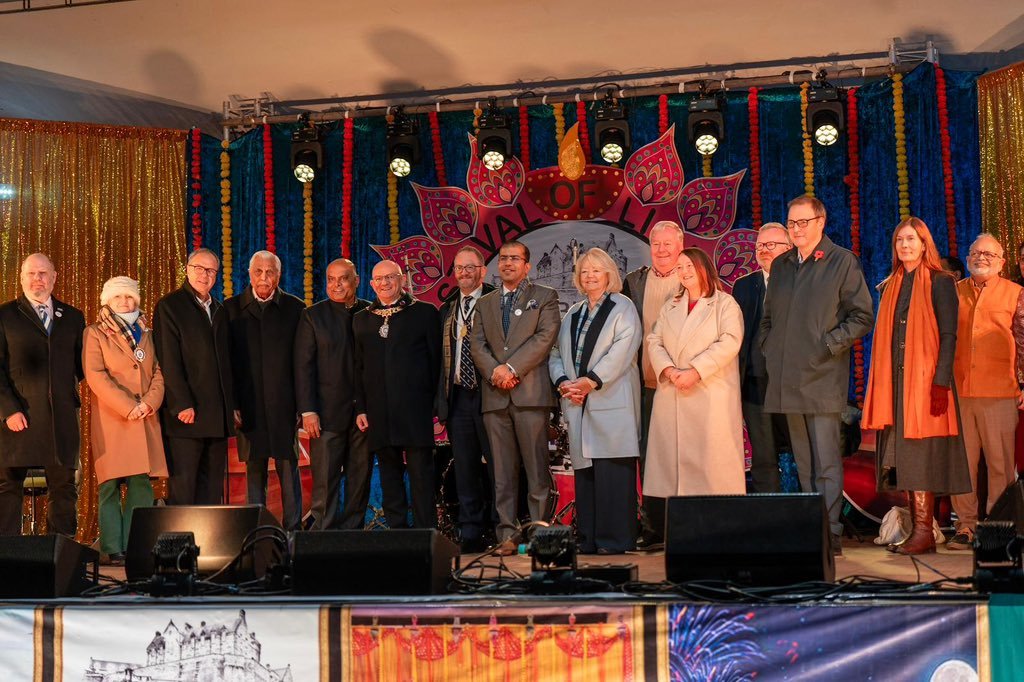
39 376
263 367
194 357
325 364
397 377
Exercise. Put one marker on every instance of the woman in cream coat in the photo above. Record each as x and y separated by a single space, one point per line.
127 389
695 445
593 365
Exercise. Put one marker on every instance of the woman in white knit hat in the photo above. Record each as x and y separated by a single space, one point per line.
127 389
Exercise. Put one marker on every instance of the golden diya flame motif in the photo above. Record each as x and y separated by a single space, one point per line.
571 160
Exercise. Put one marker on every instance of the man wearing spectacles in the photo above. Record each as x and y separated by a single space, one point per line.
989 371
768 433
190 328
398 362
459 401
817 305
513 331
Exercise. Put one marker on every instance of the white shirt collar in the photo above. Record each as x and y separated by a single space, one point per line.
477 293
264 300
35 304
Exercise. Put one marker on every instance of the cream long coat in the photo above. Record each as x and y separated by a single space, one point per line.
695 446
118 381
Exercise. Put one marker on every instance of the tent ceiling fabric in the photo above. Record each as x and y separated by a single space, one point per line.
194 53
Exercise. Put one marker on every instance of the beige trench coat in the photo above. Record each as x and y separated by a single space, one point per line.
118 381
695 446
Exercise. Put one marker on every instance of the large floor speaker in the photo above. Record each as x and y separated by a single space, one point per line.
1010 506
386 562
763 540
45 567
219 533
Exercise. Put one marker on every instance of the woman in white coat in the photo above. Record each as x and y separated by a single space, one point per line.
593 365
695 445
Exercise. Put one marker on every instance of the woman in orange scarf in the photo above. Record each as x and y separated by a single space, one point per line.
911 399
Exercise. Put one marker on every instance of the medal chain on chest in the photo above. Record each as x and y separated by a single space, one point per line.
386 313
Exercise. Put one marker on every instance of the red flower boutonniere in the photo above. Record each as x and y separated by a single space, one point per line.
819 254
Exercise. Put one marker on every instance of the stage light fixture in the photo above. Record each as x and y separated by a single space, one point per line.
705 123
307 154
494 145
612 130
403 144
825 115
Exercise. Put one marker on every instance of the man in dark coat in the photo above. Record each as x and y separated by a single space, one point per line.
190 328
325 394
460 401
263 321
768 432
398 362
40 368
818 304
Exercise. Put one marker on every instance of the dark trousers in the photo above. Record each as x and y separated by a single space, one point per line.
652 512
330 455
196 467
61 514
519 439
819 464
256 475
420 464
606 505
767 432
474 480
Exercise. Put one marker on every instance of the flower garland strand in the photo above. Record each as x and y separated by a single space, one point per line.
196 138
524 137
435 136
225 219
853 183
753 115
808 147
581 118
393 202
947 157
477 113
662 114
307 242
268 188
559 111
899 118
706 167
346 189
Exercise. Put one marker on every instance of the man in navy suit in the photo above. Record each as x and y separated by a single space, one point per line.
768 432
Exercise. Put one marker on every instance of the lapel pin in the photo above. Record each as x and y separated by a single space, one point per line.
518 312
58 313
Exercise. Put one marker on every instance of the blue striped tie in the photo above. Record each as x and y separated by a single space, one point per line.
44 317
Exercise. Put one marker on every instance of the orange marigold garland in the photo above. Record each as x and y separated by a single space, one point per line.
947 157
307 242
268 188
559 111
435 136
196 146
225 218
346 189
524 137
853 183
899 118
753 115
584 131
706 167
808 147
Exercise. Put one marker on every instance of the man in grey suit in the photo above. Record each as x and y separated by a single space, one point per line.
817 305
513 330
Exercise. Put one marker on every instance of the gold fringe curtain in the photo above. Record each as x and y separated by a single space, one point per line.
1001 132
100 201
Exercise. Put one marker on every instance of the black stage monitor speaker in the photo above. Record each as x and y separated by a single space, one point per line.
385 562
219 532
763 540
45 567
1010 506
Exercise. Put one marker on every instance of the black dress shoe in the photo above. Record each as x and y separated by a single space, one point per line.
605 551
473 546
115 559
649 542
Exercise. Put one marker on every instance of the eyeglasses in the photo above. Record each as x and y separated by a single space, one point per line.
801 223
210 272
381 279
984 255
769 246
510 259
468 269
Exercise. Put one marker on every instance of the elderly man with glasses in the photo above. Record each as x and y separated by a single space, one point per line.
989 371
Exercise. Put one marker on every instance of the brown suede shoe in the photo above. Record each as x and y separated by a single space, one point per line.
505 548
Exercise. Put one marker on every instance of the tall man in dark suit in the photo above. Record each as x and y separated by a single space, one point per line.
513 331
398 362
650 288
818 304
191 333
40 368
460 403
325 393
263 320
768 432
